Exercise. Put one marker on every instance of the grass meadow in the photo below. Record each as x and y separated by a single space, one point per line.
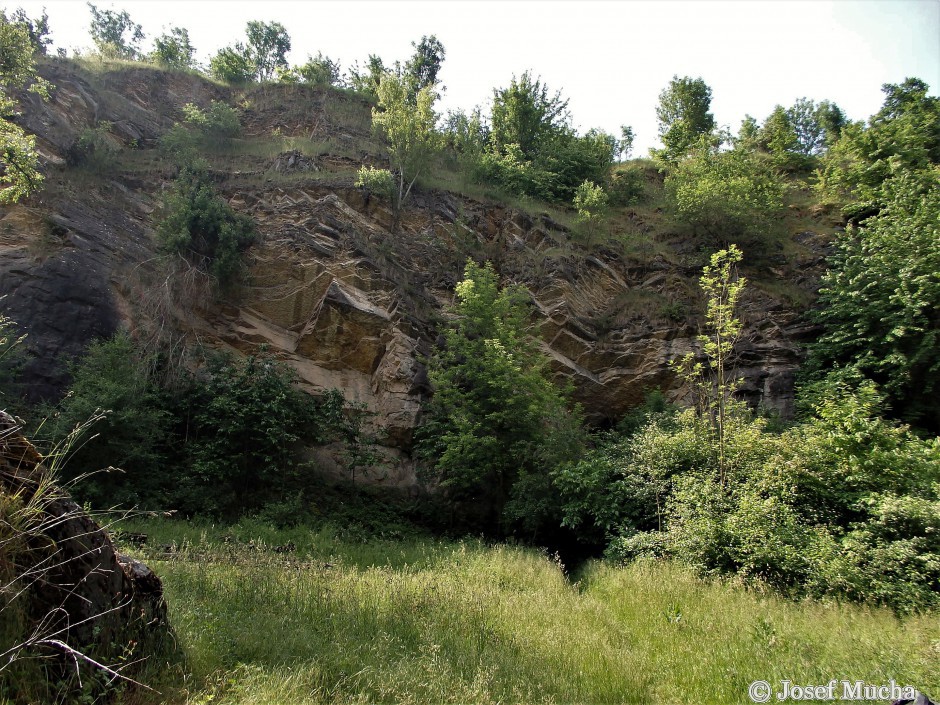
430 621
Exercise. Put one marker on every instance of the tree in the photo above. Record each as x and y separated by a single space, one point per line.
724 196
714 383
232 64
496 424
115 34
18 157
526 114
367 79
903 135
319 71
173 50
625 144
201 225
268 43
748 138
409 130
38 29
778 137
590 200
881 298
816 126
114 378
683 116
422 68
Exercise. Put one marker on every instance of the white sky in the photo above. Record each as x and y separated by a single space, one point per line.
610 58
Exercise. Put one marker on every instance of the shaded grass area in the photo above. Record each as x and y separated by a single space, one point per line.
425 620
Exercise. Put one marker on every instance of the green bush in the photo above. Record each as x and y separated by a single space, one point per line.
496 424
94 149
113 377
725 196
244 421
378 181
199 224
218 123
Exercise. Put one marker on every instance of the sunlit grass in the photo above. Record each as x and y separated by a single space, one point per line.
422 621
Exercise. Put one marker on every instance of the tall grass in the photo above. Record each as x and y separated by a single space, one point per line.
427 621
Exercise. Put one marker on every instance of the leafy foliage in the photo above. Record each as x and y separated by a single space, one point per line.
366 80
408 127
219 123
18 158
379 181
527 115
113 377
714 383
244 421
842 505
683 116
201 225
95 148
319 70
725 196
422 68
115 34
232 64
903 135
496 425
531 149
268 44
881 297
173 50
37 29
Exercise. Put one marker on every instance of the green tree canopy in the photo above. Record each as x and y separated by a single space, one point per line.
528 115
496 424
319 70
232 64
18 158
683 114
408 128
422 68
880 303
725 196
115 34
904 134
367 78
268 44
173 50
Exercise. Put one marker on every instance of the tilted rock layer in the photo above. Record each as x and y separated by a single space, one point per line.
330 289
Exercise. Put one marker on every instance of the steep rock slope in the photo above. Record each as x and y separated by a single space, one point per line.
330 289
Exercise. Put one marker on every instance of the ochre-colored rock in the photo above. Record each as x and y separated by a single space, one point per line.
330 289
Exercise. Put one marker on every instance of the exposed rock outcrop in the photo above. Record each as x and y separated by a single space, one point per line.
69 582
330 288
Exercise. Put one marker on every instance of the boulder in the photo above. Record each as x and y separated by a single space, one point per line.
70 586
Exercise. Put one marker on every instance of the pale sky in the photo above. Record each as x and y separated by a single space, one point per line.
610 58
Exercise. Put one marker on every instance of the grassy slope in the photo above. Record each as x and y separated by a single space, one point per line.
426 621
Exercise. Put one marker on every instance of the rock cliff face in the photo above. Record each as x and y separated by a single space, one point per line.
330 289
71 586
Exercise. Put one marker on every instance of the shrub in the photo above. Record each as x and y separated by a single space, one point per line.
94 148
114 378
724 196
219 123
201 225
244 421
378 181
